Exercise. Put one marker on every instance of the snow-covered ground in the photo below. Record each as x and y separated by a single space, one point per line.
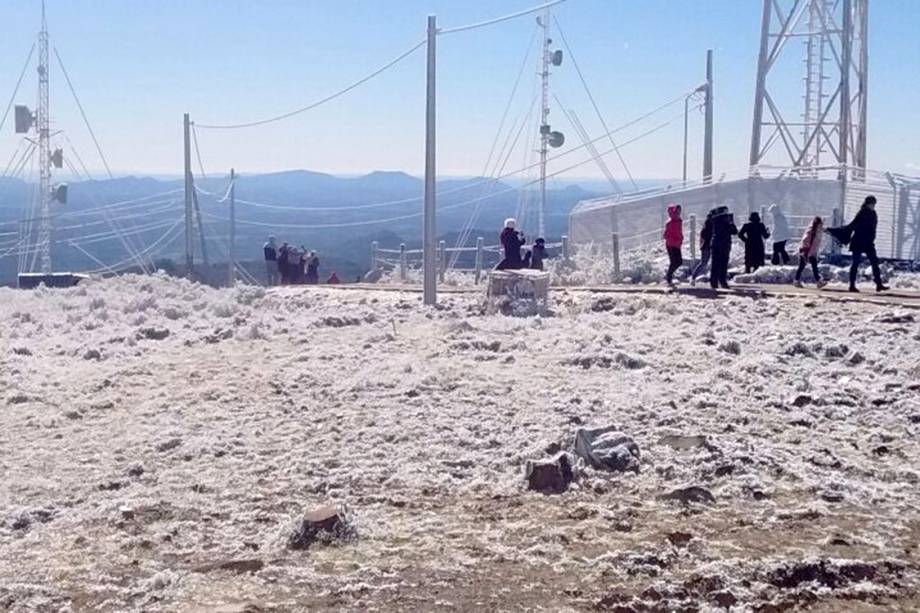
151 427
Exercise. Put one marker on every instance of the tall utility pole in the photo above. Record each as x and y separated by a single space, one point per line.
44 154
189 240
429 224
832 128
544 120
231 279
707 135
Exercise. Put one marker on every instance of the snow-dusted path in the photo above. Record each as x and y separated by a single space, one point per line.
149 427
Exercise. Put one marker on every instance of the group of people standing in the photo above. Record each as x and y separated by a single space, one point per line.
512 241
291 265
719 228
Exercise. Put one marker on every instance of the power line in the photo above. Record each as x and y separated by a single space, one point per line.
482 24
83 113
204 175
593 102
449 207
16 89
322 101
461 188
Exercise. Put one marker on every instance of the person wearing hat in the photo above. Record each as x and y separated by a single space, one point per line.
511 241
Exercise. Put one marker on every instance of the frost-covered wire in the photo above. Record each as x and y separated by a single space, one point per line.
484 182
490 22
25 67
320 102
89 126
371 222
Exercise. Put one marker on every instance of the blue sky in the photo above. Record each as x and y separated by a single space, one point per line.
139 64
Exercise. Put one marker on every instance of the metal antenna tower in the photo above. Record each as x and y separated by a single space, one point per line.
544 116
548 137
833 120
43 122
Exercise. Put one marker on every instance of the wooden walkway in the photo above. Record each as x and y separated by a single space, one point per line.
868 295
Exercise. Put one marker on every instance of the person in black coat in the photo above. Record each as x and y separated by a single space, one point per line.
723 229
511 241
862 241
753 234
537 253
283 263
705 247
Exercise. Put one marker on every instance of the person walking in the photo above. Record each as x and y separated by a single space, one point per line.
753 234
673 236
723 229
511 241
781 236
808 252
705 248
312 275
270 252
862 241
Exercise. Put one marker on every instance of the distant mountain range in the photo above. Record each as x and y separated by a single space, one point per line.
338 216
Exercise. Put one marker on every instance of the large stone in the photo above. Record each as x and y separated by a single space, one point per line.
686 495
551 476
247 565
607 449
319 524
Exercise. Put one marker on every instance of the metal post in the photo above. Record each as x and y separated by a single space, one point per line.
693 240
616 256
761 87
686 119
442 260
479 250
429 230
232 272
565 248
189 240
707 137
375 265
845 102
403 274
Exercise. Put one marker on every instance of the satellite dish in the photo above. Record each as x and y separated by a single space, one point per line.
556 58
59 193
539 21
556 139
24 119
57 158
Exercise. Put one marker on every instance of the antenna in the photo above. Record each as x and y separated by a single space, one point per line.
832 129
548 137
43 122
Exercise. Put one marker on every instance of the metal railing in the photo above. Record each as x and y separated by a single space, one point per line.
411 258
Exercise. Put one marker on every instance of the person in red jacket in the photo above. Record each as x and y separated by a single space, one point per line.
333 279
673 240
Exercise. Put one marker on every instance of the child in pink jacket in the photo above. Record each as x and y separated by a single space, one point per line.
673 240
808 252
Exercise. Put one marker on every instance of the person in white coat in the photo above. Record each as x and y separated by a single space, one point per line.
780 236
808 252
